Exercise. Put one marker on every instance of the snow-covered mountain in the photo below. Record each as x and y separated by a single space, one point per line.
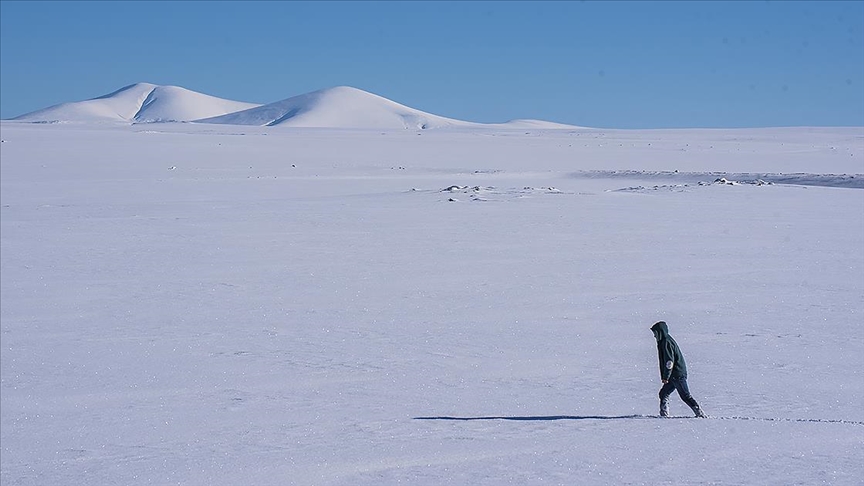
348 107
139 103
338 107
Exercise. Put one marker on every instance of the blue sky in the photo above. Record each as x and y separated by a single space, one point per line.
607 64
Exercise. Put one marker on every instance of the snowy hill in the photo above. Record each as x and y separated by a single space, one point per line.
536 124
139 103
348 107
339 107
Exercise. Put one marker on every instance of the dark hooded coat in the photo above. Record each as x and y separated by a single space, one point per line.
672 365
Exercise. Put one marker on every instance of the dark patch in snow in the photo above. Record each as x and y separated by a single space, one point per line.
489 193
853 181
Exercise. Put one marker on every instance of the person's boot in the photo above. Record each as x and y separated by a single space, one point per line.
698 411
664 408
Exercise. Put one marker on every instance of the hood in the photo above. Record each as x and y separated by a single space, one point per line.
661 331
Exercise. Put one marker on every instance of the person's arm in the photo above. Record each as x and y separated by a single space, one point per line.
667 361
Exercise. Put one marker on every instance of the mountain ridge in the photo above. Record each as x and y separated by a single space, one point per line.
335 107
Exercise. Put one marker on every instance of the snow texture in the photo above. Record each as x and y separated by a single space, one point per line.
207 304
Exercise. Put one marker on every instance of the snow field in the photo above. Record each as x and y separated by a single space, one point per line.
308 307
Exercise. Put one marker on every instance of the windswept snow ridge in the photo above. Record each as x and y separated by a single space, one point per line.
172 103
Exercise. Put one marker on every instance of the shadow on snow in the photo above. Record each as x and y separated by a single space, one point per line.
546 418
540 418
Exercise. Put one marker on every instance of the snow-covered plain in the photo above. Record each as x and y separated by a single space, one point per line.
215 304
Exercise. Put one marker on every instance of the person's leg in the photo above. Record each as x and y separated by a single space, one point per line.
684 393
667 390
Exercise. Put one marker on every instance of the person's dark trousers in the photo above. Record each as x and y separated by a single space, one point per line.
679 384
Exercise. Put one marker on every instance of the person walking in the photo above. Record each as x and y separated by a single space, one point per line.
673 371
